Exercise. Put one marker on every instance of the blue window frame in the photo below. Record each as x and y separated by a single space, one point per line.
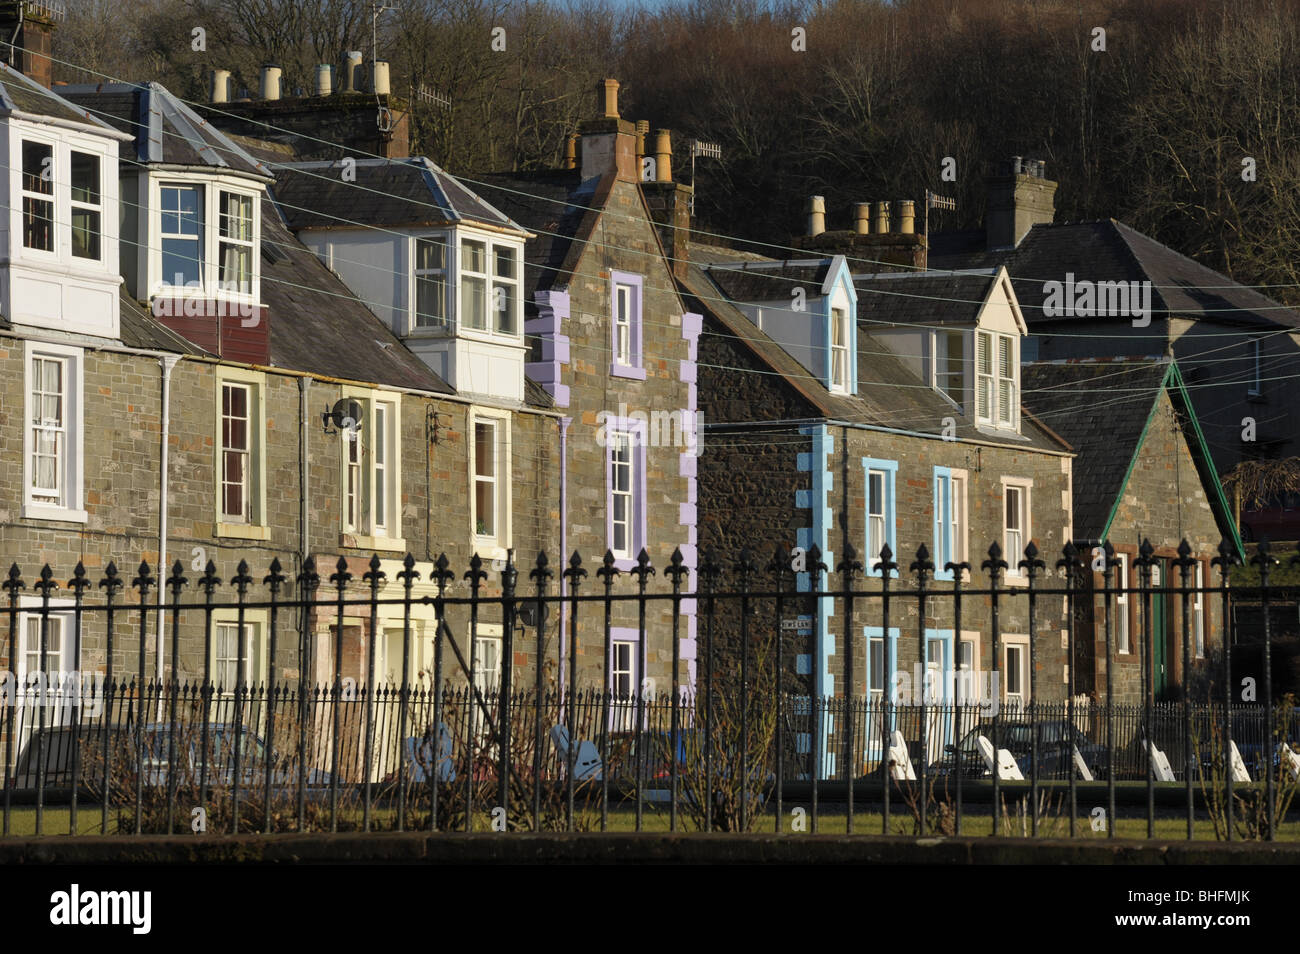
880 480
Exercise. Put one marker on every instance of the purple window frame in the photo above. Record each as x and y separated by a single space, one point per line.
637 428
635 370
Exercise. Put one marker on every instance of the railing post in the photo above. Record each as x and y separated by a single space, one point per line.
883 567
12 585
142 582
1144 562
958 570
642 571
408 576
1031 565
45 585
745 567
442 576
607 572
308 582
1265 561
540 575
374 576
176 582
574 574
78 585
240 581
339 578
509 579
779 566
710 572
922 566
1070 564
1224 561
1107 570
1184 564
995 565
274 580
676 572
475 575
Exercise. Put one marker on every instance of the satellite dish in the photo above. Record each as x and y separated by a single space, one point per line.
528 613
347 414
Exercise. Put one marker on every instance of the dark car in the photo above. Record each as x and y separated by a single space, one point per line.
1055 752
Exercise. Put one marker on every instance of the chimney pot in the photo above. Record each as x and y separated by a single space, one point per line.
881 226
324 79
379 83
816 215
270 82
642 131
664 156
220 86
571 151
352 72
906 210
607 104
862 218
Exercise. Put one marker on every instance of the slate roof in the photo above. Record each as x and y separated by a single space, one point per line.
1111 251
559 208
319 326
889 395
20 93
387 192
165 129
771 281
139 329
901 298
1101 406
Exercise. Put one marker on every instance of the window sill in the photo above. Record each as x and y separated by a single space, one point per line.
627 371
242 531
36 511
360 541
489 549
1009 579
487 337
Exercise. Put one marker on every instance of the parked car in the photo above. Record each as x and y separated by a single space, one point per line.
1055 756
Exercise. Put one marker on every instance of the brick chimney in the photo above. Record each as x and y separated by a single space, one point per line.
29 26
608 142
1020 196
670 206
871 245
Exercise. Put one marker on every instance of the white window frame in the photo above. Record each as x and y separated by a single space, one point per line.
631 648
83 205
247 245
70 503
256 526
362 524
59 712
168 281
1001 410
488 634
839 383
625 442
435 275
257 671
623 304
942 375
1120 578
1014 555
50 198
491 545
210 239
1020 643
951 527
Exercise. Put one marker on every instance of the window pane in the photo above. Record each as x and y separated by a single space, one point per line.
85 178
471 256
38 168
430 295
876 485
85 233
504 266
236 217
473 293
483 447
503 308
180 261
483 503
430 253
236 267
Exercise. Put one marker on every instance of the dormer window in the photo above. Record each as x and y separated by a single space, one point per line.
484 265
839 349
473 285
504 289
206 239
87 205
997 385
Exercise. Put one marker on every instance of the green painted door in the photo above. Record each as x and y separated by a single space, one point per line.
1159 647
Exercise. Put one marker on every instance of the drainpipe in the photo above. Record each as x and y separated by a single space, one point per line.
564 423
167 363
304 544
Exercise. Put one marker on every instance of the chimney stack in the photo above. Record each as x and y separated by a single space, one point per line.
664 156
27 29
1020 196
906 210
352 72
379 84
608 142
220 86
324 79
271 82
816 215
862 218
